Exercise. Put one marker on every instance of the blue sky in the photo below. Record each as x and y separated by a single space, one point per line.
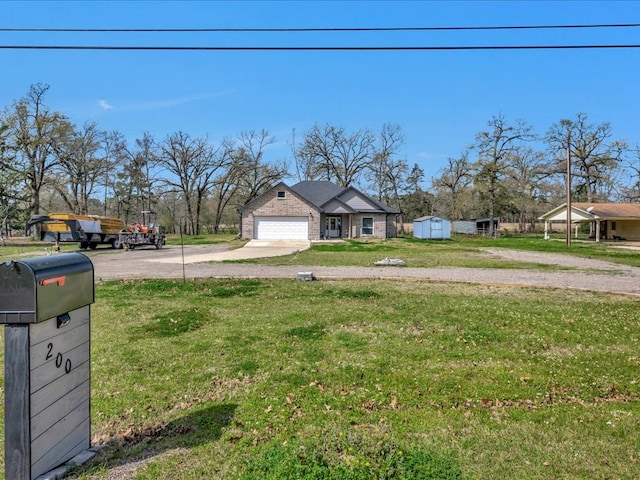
441 99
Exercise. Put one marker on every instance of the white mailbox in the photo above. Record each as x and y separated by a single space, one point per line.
45 304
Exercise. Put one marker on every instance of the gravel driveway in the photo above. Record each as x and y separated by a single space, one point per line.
584 274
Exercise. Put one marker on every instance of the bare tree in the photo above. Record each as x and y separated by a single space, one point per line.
192 164
146 159
79 167
11 191
453 180
225 190
35 132
255 175
631 192
416 202
525 170
114 148
133 182
225 185
306 167
387 171
336 155
494 147
594 159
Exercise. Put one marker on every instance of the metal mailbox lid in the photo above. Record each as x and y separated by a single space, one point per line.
36 289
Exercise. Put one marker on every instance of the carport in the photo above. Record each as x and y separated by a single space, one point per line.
612 221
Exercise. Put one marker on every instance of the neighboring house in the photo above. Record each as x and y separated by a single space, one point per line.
612 221
314 210
432 228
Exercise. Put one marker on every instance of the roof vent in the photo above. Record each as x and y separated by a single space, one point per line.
590 209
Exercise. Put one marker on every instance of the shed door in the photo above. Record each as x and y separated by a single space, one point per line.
436 228
282 228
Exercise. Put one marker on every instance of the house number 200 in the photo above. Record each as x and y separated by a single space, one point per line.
59 358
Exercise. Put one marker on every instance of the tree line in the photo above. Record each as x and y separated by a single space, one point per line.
197 184
512 173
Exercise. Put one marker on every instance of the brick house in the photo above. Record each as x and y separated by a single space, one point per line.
314 210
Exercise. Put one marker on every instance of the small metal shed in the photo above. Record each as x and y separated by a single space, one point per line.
432 228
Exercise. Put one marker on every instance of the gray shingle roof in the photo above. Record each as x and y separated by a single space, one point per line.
317 192
320 192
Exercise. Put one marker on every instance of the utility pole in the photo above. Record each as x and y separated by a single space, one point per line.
569 188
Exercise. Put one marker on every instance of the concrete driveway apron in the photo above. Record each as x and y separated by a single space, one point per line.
253 249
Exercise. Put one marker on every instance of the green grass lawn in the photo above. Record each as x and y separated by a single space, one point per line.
462 251
22 249
280 379
14 251
204 239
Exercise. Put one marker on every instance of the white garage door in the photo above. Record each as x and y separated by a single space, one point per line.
282 228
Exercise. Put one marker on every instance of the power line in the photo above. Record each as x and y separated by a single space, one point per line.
320 29
315 48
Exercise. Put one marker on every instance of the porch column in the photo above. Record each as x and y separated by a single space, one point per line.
546 229
597 231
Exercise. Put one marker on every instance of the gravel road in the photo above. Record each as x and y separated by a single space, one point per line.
582 273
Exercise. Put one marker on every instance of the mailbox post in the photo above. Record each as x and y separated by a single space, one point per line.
45 306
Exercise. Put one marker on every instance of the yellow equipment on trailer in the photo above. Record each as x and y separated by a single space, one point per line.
88 230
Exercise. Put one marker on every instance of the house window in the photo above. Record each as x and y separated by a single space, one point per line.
613 225
282 194
367 226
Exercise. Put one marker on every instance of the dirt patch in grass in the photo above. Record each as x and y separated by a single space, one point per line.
128 468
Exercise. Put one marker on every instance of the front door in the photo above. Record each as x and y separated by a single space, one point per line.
333 228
